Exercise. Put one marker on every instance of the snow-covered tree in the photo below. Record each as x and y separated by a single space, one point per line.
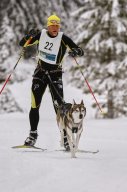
17 17
8 103
102 32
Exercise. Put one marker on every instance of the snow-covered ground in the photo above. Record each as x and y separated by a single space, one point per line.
55 171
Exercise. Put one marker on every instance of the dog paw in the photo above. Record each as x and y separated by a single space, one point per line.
73 156
61 143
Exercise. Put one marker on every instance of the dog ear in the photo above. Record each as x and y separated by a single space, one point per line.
82 103
74 103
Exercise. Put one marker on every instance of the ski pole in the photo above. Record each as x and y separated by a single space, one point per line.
88 85
22 52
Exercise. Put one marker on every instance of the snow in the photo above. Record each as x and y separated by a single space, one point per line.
105 18
55 171
120 27
115 8
77 12
89 14
93 43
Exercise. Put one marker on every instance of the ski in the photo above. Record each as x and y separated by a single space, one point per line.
80 151
63 150
87 151
28 147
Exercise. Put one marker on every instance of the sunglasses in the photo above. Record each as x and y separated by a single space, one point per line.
55 22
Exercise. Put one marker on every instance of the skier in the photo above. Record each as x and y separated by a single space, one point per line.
52 46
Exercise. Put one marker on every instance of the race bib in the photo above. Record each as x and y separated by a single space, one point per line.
49 47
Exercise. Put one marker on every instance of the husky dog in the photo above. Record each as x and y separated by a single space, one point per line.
70 120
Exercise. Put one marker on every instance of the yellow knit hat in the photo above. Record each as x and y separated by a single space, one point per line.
53 20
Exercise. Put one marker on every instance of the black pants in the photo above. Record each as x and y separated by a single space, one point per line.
43 77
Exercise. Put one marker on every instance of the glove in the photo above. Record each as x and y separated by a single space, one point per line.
33 32
74 52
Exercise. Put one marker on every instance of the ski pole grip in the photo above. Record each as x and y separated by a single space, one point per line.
27 42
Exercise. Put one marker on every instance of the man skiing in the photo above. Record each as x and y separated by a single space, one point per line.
52 46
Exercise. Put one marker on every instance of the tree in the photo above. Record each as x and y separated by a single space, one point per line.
17 18
102 32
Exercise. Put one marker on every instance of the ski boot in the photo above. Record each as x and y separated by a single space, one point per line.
31 140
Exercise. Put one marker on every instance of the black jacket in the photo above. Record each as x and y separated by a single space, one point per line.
65 42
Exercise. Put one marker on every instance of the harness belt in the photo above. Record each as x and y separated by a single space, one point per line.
47 73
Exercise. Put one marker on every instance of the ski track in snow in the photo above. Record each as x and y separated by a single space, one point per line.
55 171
